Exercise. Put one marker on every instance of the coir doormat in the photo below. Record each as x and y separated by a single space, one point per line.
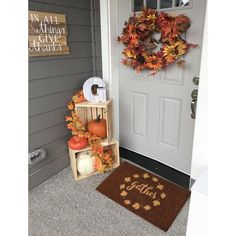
145 194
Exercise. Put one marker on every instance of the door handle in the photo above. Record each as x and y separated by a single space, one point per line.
194 103
193 108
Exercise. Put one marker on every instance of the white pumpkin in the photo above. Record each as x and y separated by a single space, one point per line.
85 163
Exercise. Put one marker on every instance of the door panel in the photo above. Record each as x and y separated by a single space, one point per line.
170 112
139 113
155 113
174 75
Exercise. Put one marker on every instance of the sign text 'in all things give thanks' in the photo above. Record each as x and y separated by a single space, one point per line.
47 34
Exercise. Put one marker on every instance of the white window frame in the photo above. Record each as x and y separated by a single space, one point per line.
165 9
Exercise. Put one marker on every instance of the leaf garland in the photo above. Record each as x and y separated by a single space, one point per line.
137 37
103 156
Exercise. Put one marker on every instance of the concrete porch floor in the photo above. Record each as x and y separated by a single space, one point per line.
61 206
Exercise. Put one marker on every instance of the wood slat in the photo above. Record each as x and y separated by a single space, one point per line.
78 33
104 113
82 115
73 163
89 115
77 49
94 113
62 40
110 122
94 104
99 112
52 17
34 28
48 51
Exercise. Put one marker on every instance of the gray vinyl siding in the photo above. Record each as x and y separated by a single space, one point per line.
95 6
54 79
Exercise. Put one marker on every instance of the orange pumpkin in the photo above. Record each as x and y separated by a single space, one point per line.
77 143
98 127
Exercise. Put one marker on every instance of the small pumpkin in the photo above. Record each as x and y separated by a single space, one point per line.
77 143
98 127
85 163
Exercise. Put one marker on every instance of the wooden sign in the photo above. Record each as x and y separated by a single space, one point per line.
47 34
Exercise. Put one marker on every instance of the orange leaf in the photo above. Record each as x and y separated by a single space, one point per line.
70 125
70 106
68 118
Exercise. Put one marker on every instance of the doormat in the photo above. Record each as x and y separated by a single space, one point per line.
147 195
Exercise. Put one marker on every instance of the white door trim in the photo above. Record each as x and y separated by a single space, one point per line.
109 33
199 155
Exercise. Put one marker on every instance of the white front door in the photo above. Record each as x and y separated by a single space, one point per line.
155 112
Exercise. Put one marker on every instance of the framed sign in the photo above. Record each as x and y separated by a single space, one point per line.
47 34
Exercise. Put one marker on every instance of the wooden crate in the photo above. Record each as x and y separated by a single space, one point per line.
88 111
74 154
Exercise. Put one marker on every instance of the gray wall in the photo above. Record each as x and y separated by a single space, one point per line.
54 79
95 7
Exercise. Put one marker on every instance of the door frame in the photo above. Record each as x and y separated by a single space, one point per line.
110 63
110 68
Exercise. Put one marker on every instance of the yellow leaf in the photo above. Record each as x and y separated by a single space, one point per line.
163 195
123 193
127 179
160 186
122 186
155 179
127 202
147 208
146 175
136 205
156 203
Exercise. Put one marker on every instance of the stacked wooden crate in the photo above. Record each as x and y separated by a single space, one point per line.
88 111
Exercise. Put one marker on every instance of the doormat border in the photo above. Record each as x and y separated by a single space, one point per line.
158 168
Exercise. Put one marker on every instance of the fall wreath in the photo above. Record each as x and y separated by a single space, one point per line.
140 45
103 157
